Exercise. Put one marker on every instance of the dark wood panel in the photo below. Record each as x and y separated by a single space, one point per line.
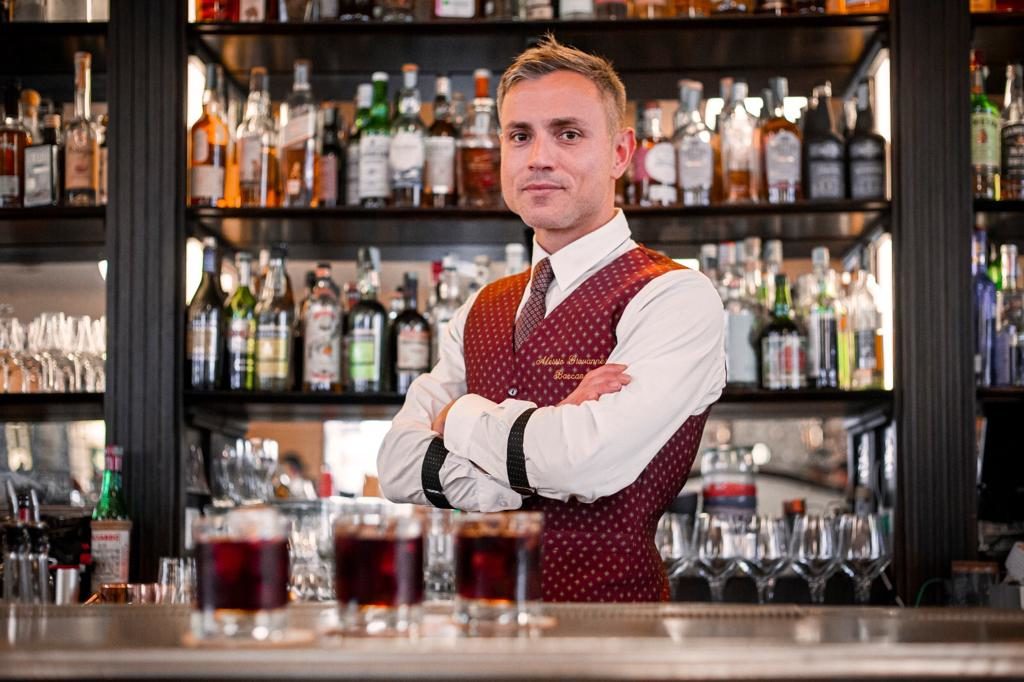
30 48
57 233
40 407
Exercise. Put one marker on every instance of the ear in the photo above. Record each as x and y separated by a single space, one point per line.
624 144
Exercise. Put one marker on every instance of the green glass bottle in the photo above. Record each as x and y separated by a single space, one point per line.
112 503
375 148
985 122
240 312
111 526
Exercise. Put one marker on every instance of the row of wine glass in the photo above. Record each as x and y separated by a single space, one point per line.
53 353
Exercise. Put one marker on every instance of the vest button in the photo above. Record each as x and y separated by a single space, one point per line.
513 392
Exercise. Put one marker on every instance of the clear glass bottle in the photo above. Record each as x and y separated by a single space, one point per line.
298 140
449 299
409 338
256 146
782 344
1008 355
822 325
780 150
442 138
480 150
985 153
330 186
375 148
654 162
364 97
81 141
206 325
694 154
824 176
240 311
867 358
741 325
275 323
865 151
408 153
738 163
576 9
322 324
1012 135
536 10
14 140
729 478
366 327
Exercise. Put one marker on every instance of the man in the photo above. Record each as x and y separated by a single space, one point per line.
530 404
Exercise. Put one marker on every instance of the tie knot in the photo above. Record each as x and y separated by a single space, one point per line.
542 276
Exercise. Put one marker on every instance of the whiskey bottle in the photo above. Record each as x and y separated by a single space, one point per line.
275 321
331 159
14 140
110 545
439 171
240 311
255 146
781 344
375 148
43 163
1012 134
209 148
409 338
694 154
81 142
322 326
217 10
480 150
536 10
654 162
738 164
780 150
865 151
653 9
30 102
407 154
824 167
984 134
206 324
364 96
298 141
254 11
366 326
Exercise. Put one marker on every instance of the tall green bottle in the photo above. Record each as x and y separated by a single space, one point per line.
111 525
240 312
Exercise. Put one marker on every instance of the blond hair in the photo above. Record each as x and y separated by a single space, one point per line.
549 56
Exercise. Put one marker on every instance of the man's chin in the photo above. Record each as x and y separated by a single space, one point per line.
545 218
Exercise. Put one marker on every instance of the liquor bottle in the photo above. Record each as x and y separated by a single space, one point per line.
984 134
738 163
824 168
355 10
741 321
256 146
240 311
481 273
694 154
654 162
81 143
822 327
652 9
868 361
366 326
28 10
995 273
480 150
403 11
809 6
693 8
753 271
111 524
409 338
1010 5
439 172
576 9
611 9
43 163
776 7
364 96
331 159
449 298
536 10
724 93
407 154
103 131
731 6
708 260
455 9
209 148
780 149
275 321
30 101
14 140
1008 354
772 268
782 344
322 325
298 141
515 259
865 151
1012 134
206 324
375 148
254 11
866 6
217 10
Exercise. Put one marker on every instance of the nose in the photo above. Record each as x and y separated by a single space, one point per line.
540 154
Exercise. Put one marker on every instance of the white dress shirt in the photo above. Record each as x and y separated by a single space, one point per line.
670 337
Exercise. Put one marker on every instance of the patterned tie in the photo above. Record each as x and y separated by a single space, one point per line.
533 311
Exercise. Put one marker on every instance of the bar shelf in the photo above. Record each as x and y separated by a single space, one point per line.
38 407
52 233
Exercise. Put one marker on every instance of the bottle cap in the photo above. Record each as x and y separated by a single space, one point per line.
380 76
443 86
820 256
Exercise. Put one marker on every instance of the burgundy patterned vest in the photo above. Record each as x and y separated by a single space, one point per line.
603 551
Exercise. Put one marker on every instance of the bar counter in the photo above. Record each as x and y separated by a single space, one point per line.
647 641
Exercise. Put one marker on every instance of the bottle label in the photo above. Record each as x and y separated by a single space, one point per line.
202 339
657 163
363 355
865 353
1012 146
540 10
374 181
323 345
740 357
352 174
40 175
242 336
782 361
273 344
574 7
200 146
111 550
406 157
207 182
250 159
481 168
252 10
867 179
413 350
822 348
328 171
104 158
9 185
985 139
696 163
782 159
441 164
455 9
81 168
299 129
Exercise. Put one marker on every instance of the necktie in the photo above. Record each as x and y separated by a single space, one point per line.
533 311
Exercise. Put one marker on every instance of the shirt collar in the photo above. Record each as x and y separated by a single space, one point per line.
573 260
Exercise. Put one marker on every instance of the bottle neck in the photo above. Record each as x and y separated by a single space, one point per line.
244 274
1009 272
978 80
210 262
979 256
450 286
83 93
782 303
409 104
442 108
275 284
369 284
211 103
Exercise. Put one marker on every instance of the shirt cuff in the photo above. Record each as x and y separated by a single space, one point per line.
462 419
477 428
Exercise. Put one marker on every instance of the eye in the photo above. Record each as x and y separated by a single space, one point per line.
571 135
518 136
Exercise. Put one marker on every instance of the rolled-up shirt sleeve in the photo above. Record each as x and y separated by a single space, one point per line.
670 337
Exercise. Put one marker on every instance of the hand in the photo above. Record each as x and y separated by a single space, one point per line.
608 378
438 424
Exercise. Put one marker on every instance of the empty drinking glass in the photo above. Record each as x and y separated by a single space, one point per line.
863 551
715 540
171 581
812 550
439 571
764 553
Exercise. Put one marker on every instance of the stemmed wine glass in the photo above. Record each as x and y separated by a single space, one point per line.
673 537
863 551
715 540
812 550
764 553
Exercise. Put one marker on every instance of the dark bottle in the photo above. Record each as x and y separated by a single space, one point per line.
275 321
206 324
366 324
241 321
331 162
809 6
865 151
355 10
409 339
782 344
43 164
824 167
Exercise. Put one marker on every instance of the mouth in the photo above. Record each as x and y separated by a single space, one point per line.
541 187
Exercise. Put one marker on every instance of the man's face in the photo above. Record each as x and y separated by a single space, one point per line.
559 158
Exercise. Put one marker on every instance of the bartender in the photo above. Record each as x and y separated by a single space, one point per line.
579 388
